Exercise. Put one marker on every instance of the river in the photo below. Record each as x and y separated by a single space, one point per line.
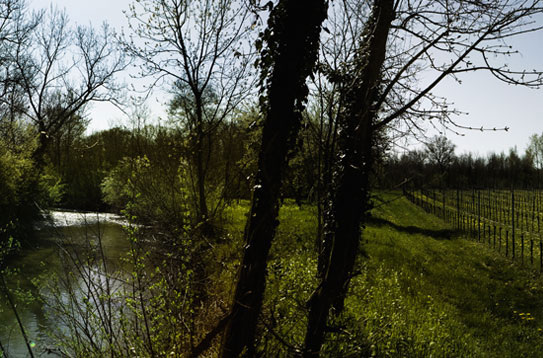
33 268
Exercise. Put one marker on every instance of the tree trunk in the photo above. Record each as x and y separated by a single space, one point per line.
41 149
294 30
350 198
200 170
324 241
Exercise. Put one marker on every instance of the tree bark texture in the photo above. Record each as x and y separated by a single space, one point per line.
350 196
293 39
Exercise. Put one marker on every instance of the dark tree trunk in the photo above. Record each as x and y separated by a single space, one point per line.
41 149
203 212
200 166
293 30
325 189
350 196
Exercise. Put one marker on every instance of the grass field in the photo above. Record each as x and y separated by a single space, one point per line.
465 298
422 290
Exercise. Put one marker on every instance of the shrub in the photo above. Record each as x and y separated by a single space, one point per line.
147 193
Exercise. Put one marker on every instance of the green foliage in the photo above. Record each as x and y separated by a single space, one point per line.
156 176
115 187
14 172
148 192
52 187
19 189
82 162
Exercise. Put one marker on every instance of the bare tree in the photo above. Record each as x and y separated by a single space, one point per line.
61 70
440 153
402 41
15 30
199 48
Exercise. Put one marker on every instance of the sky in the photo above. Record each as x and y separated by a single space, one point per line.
492 103
487 101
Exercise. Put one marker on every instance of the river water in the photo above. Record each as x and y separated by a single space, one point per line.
65 235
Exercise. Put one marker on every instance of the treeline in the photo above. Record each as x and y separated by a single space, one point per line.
105 170
92 171
437 166
146 170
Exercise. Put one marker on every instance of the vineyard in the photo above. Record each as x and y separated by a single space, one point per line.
508 221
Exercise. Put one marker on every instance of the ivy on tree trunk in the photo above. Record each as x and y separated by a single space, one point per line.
350 191
292 39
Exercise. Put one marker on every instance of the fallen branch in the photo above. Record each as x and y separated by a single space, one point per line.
206 342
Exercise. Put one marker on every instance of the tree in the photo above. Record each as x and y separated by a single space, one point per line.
15 29
535 149
325 103
440 153
519 169
61 70
182 113
18 189
197 47
409 167
350 200
292 40
382 86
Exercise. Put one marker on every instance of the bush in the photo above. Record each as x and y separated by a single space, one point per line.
51 188
19 189
147 193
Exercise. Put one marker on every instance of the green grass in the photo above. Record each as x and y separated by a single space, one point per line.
423 291
457 297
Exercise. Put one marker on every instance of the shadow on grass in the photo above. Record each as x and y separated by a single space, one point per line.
441 234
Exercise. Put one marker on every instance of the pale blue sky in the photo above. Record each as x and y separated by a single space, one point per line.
488 102
492 103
